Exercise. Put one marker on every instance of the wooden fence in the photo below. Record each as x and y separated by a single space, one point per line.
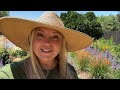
114 34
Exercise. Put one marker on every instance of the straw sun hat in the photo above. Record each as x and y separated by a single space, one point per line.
17 30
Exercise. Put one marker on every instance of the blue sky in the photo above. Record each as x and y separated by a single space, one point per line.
36 14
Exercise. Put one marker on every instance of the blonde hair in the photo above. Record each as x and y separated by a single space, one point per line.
34 65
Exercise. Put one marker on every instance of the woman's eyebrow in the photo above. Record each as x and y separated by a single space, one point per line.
39 31
57 33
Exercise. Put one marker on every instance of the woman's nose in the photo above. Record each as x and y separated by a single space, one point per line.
47 41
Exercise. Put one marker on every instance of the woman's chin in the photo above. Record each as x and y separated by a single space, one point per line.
45 58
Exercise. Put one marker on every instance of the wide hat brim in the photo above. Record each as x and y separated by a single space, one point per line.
17 30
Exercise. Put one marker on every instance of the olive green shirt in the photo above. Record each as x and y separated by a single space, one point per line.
15 71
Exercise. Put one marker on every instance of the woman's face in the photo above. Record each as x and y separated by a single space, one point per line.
46 43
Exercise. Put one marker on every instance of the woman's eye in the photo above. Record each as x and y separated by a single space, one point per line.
56 37
40 35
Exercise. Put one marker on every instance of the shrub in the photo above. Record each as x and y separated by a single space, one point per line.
83 58
73 54
104 45
116 74
21 53
12 52
17 52
84 64
1 49
100 68
117 50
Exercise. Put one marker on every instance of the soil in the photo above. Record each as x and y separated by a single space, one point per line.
84 75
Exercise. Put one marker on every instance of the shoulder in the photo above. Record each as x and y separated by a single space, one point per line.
72 71
16 65
18 69
20 63
12 71
5 72
71 67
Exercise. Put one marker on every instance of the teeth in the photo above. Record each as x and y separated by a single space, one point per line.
45 50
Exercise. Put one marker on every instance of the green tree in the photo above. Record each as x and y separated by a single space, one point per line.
4 13
90 16
109 23
70 23
118 16
21 53
86 23
93 27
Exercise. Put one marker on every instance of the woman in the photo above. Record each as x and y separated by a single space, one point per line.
48 42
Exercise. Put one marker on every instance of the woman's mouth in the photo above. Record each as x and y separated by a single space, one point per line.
46 50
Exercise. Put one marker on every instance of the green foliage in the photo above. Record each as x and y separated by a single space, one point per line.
90 16
98 67
70 19
116 74
110 22
5 57
84 64
93 28
103 44
72 54
117 50
1 49
99 70
5 54
17 53
109 45
118 16
86 23
21 53
12 52
4 13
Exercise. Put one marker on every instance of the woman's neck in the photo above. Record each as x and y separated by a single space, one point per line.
48 64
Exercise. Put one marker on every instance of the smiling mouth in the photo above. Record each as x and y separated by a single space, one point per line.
46 50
